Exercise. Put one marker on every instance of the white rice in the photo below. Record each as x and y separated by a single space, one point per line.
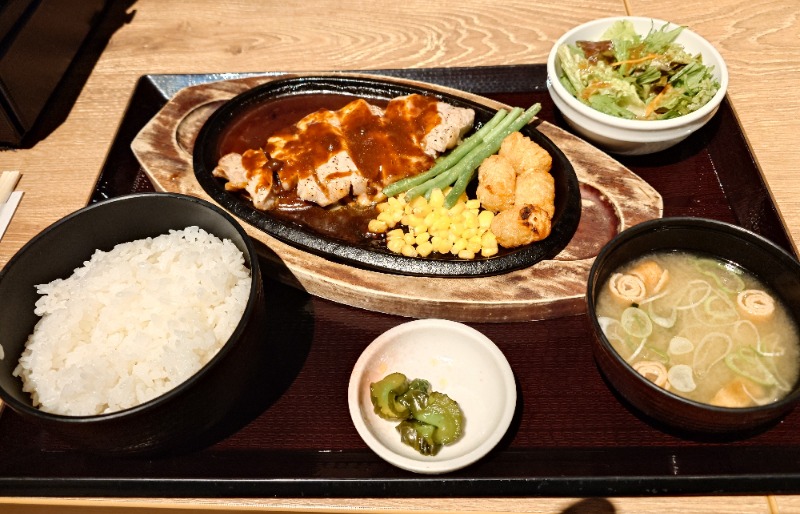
133 322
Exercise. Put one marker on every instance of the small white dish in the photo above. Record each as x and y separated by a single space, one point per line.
457 360
633 137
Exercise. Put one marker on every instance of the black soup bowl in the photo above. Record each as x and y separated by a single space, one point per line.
772 265
192 414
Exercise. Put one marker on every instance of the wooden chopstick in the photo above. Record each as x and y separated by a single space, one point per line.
8 181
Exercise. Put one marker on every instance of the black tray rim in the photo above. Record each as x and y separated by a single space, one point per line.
637 480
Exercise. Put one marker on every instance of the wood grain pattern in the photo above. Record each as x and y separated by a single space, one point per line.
642 505
208 36
551 288
756 39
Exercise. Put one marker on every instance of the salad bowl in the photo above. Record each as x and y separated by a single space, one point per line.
634 136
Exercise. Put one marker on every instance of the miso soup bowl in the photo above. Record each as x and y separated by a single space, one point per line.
772 265
197 412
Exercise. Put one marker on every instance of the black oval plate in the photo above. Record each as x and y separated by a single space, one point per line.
207 151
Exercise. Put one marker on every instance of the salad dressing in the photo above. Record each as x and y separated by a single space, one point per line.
634 77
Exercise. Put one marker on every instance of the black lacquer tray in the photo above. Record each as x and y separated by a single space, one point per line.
571 436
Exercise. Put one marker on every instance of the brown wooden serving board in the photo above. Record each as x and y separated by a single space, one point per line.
613 198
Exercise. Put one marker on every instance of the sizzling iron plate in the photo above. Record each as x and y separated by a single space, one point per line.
276 94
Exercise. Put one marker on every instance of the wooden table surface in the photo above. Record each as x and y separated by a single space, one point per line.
759 39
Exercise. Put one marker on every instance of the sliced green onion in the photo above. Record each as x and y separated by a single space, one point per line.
727 276
636 322
712 349
770 346
696 293
746 363
653 353
681 377
662 321
717 310
680 345
637 351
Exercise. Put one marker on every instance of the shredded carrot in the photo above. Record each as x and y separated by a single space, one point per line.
635 61
593 88
652 106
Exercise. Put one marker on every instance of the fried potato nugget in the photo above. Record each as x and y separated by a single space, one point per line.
525 155
536 188
496 183
517 185
521 225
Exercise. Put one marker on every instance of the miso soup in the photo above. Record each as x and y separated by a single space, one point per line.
702 328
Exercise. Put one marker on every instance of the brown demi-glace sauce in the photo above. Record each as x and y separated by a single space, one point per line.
367 140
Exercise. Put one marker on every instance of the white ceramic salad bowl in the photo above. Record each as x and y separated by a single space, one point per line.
627 136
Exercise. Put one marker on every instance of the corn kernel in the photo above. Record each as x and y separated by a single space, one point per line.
469 233
441 225
414 221
418 230
462 230
436 199
377 226
485 218
425 249
488 252
395 245
466 254
443 246
418 202
395 233
409 250
457 218
457 209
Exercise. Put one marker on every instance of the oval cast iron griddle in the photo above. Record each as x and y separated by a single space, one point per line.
207 153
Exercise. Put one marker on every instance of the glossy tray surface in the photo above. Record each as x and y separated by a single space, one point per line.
571 436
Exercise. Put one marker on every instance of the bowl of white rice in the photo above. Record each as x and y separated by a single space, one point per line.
135 324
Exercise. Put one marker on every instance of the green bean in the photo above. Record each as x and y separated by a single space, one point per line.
451 175
490 146
445 162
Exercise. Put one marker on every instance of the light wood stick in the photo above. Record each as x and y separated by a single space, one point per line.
8 181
